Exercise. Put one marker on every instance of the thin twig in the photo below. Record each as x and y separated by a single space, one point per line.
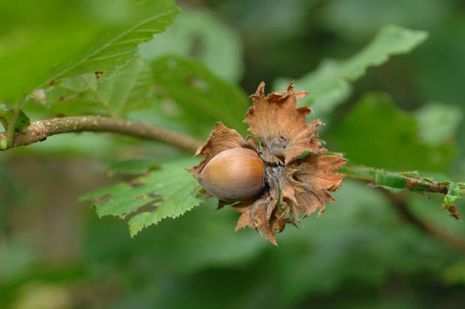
39 131
397 180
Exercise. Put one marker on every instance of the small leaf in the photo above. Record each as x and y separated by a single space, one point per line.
165 193
329 85
453 194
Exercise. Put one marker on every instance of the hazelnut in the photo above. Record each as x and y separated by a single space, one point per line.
280 173
236 174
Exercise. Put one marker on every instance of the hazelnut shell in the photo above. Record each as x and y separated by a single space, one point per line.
235 174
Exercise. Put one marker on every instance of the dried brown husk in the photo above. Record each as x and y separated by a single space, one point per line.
299 174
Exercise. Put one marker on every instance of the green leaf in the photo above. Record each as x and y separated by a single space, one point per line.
376 133
196 97
452 194
154 17
330 84
40 44
114 95
202 239
455 191
437 122
172 92
200 35
134 167
166 193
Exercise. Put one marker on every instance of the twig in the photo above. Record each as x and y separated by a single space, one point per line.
39 131
400 180
401 206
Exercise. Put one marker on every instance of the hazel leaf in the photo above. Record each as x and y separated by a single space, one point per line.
167 192
330 84
109 36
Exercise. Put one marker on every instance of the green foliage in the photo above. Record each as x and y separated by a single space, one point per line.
177 92
154 17
358 244
437 122
12 120
189 244
114 95
200 35
455 192
360 251
343 16
8 118
376 133
63 34
199 96
165 193
330 84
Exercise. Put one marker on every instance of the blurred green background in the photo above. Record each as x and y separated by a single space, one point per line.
366 250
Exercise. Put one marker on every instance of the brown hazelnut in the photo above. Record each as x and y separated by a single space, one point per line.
235 174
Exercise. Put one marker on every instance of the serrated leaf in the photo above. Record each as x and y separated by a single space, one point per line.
376 133
165 193
154 17
330 84
31 50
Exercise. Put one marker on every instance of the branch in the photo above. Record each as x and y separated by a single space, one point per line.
401 180
412 181
40 130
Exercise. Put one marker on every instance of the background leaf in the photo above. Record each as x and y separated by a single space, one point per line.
437 122
330 84
376 133
171 91
198 98
200 35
